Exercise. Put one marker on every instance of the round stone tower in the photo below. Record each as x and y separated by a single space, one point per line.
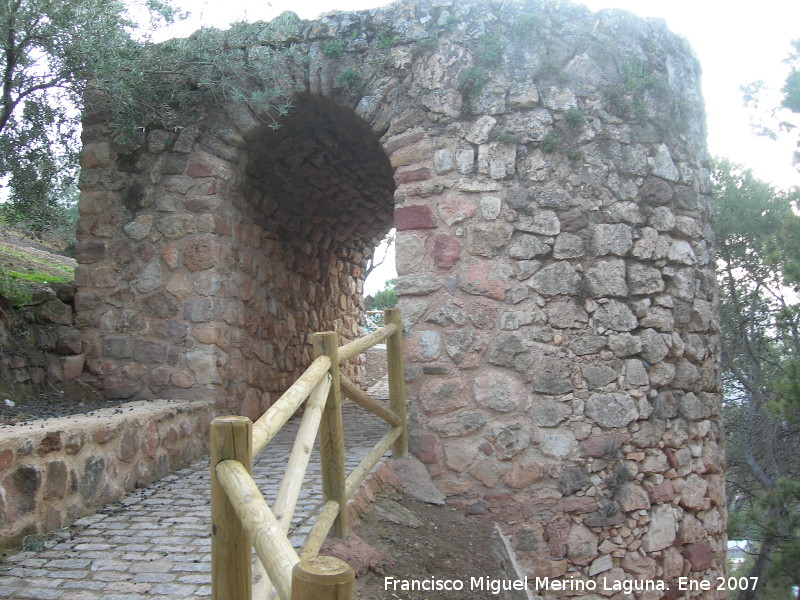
546 170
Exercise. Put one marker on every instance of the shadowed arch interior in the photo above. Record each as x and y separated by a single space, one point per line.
318 192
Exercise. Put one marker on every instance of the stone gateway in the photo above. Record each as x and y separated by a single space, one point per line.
546 170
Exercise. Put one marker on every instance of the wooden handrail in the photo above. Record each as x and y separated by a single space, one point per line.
284 407
264 531
363 344
239 514
357 476
289 489
319 531
359 397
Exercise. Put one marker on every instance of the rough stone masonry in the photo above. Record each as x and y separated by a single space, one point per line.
546 170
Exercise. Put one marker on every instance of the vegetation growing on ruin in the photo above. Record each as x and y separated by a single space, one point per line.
472 81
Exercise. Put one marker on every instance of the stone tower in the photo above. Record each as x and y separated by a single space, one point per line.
546 170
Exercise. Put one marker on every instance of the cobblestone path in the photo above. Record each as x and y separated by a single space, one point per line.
155 544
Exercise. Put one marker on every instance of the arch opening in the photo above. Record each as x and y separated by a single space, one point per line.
317 198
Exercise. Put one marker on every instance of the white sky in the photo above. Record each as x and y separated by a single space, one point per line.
736 41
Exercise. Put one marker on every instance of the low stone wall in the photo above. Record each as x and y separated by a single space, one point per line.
55 471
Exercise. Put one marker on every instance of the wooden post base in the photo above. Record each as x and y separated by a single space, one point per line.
322 578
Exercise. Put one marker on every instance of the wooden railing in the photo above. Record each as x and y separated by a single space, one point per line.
241 517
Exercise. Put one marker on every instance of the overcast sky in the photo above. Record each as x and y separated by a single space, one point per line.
736 41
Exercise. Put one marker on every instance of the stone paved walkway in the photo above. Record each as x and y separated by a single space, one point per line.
155 543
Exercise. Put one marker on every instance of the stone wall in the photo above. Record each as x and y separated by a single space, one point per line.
53 472
546 170
206 260
38 342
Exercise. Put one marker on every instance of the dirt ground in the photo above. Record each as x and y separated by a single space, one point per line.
24 255
408 540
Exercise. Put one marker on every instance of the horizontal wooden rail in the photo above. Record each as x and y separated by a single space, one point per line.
266 535
284 407
289 489
319 531
357 395
357 476
240 514
292 481
358 346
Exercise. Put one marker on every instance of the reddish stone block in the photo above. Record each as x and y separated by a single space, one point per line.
477 278
403 141
522 475
89 252
662 493
446 251
6 458
423 446
698 555
599 446
103 434
200 254
150 440
128 445
72 367
455 209
580 504
206 165
172 437
182 379
104 226
145 252
672 458
412 176
171 256
50 443
556 534
414 217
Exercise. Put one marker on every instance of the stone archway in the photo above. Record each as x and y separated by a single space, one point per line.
234 254
546 170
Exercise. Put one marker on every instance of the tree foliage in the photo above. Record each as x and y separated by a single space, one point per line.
61 57
758 241
51 50
172 83
781 117
385 298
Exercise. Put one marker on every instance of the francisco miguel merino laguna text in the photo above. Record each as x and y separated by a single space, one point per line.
495 586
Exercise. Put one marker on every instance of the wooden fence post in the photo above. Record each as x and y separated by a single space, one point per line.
331 435
322 578
397 385
231 438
